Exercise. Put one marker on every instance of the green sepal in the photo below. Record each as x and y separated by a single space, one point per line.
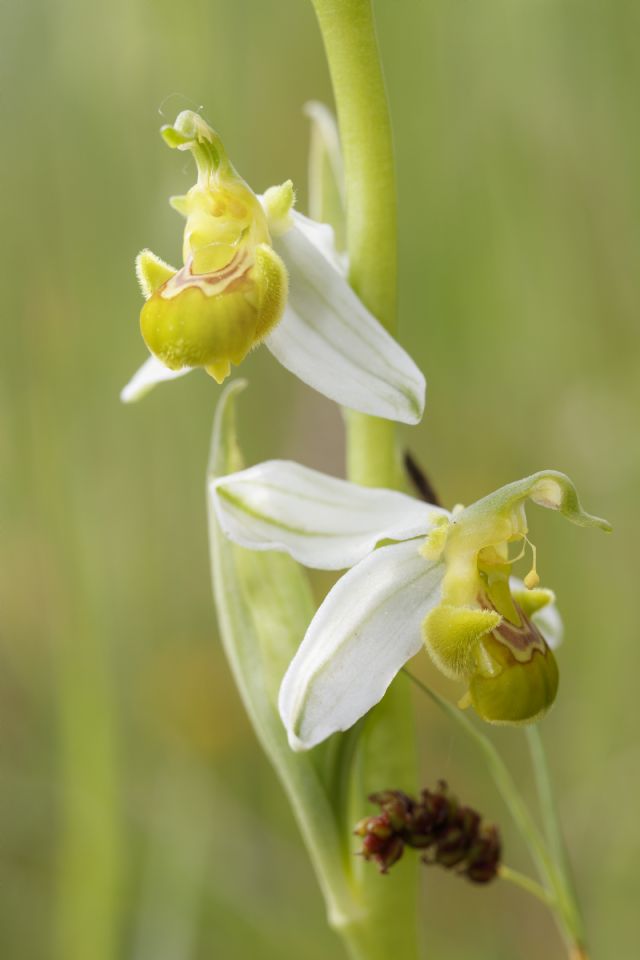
548 488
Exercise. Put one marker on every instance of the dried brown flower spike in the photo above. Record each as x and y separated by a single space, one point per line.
451 835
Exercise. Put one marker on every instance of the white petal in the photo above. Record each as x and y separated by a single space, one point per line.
321 521
549 623
367 628
150 373
322 236
329 339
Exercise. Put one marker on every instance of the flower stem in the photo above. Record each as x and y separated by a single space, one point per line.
501 777
350 41
559 897
349 35
552 825
525 883
385 752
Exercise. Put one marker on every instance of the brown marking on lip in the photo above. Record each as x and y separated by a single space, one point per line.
524 640
185 277
220 275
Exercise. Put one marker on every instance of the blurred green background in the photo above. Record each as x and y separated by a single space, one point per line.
138 817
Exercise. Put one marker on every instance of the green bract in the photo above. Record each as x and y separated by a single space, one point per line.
452 590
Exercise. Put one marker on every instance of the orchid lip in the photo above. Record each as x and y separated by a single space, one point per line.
520 639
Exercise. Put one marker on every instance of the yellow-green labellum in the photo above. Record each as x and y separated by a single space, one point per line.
515 679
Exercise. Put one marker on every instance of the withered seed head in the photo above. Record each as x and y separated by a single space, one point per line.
450 835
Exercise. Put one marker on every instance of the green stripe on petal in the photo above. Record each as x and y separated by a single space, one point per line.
320 520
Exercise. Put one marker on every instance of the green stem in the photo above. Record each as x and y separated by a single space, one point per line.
552 825
350 41
349 36
525 883
502 779
551 872
385 753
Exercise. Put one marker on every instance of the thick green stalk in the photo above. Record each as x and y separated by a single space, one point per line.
350 40
365 135
385 755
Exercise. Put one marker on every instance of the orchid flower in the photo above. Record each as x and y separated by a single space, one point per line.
257 271
445 582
